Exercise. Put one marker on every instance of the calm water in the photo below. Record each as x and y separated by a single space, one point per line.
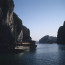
45 54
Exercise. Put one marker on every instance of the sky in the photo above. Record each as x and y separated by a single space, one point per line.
42 17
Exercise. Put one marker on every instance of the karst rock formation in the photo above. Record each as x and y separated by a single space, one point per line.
61 34
11 27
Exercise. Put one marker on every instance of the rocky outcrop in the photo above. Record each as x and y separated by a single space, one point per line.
18 32
47 39
11 27
61 34
6 39
26 34
22 32
6 12
6 23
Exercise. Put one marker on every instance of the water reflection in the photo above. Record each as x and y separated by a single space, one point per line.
44 54
61 54
61 47
47 48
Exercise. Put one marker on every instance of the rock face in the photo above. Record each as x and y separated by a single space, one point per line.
6 21
10 24
61 34
11 28
48 39
22 32
26 34
18 32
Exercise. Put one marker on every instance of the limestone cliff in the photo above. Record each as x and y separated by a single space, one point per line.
11 27
6 23
61 34
22 32
18 33
26 34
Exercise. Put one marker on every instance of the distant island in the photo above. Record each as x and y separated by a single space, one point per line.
60 39
48 39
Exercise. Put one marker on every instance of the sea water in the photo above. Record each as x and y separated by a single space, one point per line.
44 54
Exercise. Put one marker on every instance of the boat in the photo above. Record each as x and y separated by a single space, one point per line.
24 45
30 44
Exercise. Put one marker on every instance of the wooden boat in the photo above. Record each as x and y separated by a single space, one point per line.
25 46
30 44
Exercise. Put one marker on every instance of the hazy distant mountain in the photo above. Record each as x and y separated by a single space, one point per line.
48 39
